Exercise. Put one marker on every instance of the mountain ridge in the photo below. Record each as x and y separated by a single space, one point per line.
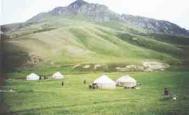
101 13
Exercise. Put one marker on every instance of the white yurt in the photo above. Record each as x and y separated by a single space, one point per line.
126 81
32 76
104 82
57 75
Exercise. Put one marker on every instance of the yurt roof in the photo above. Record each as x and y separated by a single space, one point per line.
126 78
57 74
32 75
103 79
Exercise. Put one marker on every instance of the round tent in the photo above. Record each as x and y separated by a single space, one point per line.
104 82
32 76
126 81
57 75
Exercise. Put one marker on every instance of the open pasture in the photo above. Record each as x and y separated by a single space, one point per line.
48 97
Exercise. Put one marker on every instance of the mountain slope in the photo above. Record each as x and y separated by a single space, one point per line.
88 33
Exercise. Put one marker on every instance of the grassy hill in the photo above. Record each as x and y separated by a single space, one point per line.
60 41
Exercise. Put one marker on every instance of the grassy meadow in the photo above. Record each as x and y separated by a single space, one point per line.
48 97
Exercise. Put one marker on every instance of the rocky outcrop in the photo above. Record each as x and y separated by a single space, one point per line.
147 66
154 66
155 26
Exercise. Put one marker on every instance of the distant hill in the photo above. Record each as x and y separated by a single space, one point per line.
91 33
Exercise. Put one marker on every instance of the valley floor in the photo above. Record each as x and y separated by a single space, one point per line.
48 97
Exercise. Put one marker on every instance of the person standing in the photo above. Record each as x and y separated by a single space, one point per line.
62 83
166 92
84 82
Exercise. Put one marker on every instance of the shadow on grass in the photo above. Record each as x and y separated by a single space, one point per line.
12 56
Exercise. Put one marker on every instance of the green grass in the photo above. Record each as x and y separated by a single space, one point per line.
49 97
170 39
146 42
71 41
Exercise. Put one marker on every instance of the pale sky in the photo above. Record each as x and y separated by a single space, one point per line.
176 11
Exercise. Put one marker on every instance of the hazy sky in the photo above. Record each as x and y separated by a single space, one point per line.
176 11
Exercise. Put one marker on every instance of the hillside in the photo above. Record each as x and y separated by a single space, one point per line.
82 42
84 33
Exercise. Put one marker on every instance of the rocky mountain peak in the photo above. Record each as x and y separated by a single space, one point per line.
77 4
95 12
